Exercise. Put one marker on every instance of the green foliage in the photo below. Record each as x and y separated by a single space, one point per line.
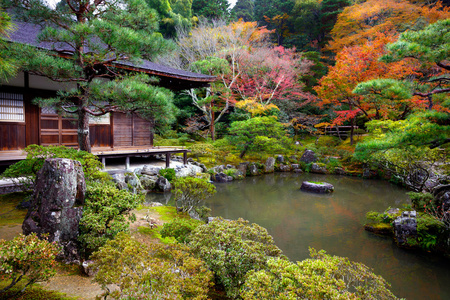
259 134
180 229
231 249
211 9
420 200
26 258
123 30
408 146
33 292
429 229
243 9
168 173
8 68
36 155
107 211
384 217
321 277
189 192
150 271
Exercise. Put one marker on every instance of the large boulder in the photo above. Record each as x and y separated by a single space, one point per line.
243 167
148 182
55 207
133 183
162 184
284 168
149 170
405 227
308 157
318 169
188 170
222 177
269 166
317 187
253 169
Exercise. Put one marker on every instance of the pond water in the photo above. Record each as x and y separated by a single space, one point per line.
298 220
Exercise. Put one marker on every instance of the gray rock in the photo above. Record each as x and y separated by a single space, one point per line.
367 173
308 156
151 171
243 167
162 184
280 158
133 183
148 182
339 171
405 227
285 168
318 188
298 171
222 177
187 170
88 269
253 169
269 166
295 166
55 207
315 168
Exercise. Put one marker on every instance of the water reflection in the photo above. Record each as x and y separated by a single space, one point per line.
298 220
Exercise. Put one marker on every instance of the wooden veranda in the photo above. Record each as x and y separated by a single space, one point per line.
10 157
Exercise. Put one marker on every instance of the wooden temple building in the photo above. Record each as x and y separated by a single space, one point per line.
114 135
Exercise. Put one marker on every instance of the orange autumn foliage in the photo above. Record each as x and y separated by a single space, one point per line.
360 22
358 64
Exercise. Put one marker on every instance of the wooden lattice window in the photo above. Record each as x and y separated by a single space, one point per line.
11 107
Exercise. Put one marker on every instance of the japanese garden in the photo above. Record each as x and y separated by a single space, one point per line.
246 149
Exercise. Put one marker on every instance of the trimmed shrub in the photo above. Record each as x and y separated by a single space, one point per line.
180 229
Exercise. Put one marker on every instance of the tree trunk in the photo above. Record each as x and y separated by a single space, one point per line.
243 151
84 142
212 126
351 131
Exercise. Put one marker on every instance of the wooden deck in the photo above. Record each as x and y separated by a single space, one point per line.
10 157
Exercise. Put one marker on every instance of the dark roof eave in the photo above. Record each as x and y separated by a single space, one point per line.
159 73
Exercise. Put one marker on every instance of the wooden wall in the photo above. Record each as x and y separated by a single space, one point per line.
131 131
12 136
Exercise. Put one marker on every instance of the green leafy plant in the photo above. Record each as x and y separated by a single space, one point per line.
189 192
321 277
168 173
107 211
420 200
150 271
180 229
26 258
231 249
429 229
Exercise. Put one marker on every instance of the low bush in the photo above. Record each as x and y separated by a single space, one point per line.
190 192
180 229
26 258
320 277
168 173
231 249
150 271
107 211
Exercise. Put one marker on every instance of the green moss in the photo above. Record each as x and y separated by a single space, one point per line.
33 292
154 233
10 214
167 213
379 228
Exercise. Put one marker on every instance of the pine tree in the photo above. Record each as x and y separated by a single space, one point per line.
211 9
244 9
92 36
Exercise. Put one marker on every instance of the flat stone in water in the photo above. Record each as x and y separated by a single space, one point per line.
317 187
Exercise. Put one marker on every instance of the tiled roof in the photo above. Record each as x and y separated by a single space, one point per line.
26 33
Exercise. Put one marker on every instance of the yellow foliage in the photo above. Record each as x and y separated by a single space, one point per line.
255 108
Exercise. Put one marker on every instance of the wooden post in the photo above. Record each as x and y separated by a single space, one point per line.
167 159
104 162
185 157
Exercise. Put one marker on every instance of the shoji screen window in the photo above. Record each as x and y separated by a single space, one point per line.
11 107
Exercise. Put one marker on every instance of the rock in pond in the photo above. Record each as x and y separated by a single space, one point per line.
317 187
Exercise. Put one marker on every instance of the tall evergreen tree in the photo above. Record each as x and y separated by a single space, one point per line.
244 9
329 11
211 9
7 66
271 8
93 36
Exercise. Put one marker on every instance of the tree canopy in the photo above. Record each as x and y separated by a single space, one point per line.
90 38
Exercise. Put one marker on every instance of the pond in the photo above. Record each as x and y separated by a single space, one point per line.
298 220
